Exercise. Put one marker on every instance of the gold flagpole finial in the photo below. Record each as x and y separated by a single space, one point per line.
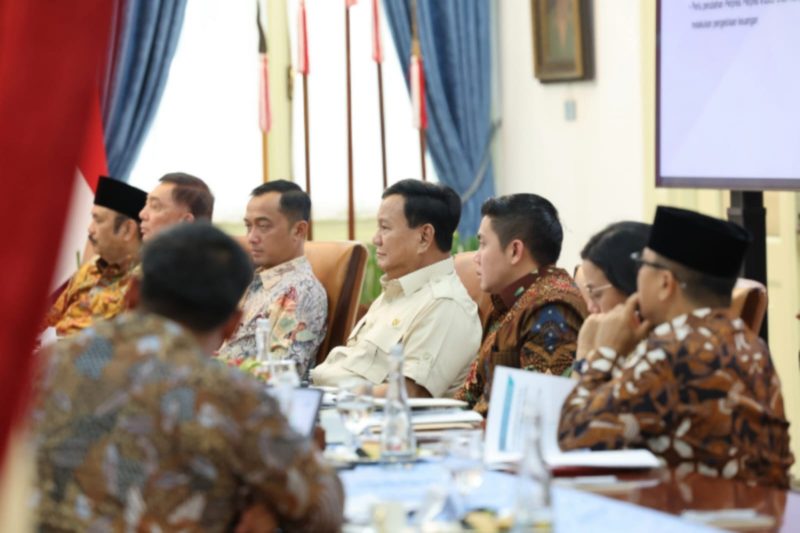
415 47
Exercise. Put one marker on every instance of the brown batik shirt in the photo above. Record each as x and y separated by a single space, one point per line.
533 325
701 392
137 429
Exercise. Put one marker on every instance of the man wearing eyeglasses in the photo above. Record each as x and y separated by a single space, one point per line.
672 371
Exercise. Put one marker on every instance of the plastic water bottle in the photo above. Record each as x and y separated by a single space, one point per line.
398 443
263 330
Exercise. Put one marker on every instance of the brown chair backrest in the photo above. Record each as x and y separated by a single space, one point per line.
466 270
339 266
749 302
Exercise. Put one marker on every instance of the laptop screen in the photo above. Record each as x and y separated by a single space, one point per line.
305 406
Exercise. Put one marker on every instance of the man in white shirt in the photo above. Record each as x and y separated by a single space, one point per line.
424 306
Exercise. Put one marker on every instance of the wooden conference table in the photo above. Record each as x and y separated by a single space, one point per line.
674 495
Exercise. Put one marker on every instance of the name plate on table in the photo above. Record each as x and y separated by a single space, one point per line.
517 393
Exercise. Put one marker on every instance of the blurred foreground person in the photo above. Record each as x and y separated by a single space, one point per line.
137 428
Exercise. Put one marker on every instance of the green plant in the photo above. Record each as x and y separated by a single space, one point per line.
372 278
372 275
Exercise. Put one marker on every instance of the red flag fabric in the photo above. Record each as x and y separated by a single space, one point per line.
91 165
50 57
92 162
377 49
302 40
264 109
417 77
350 3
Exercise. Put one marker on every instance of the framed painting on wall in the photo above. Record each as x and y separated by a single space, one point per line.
561 40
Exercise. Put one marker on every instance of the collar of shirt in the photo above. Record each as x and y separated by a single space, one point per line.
107 270
412 282
270 275
506 299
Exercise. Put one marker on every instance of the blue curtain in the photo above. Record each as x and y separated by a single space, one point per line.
455 37
144 37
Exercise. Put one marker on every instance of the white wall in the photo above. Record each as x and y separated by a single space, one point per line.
590 168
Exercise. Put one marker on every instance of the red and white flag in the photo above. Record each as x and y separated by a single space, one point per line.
264 109
377 49
350 3
417 77
302 40
91 165
50 56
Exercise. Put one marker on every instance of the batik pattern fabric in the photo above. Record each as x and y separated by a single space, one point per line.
136 429
297 306
533 325
701 392
96 291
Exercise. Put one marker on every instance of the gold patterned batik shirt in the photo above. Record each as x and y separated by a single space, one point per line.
97 290
136 429
533 325
701 392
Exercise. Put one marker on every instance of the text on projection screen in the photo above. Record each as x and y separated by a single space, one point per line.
730 89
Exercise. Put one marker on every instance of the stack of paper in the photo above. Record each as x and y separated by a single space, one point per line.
428 403
429 420
515 394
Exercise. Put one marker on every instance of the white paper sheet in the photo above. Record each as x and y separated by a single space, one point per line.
517 392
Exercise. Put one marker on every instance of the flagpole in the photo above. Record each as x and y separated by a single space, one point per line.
303 69
264 111
383 124
377 56
422 153
417 84
351 227
265 156
306 128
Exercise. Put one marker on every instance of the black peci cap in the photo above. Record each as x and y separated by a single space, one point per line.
120 197
709 245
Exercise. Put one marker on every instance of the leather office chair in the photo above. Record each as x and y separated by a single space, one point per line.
340 267
749 302
466 270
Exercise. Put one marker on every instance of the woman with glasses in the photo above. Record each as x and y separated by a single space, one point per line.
607 270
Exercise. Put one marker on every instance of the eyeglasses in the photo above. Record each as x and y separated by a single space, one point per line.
637 258
595 293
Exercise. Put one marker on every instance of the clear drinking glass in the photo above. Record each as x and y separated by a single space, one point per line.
465 460
283 379
355 404
533 509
